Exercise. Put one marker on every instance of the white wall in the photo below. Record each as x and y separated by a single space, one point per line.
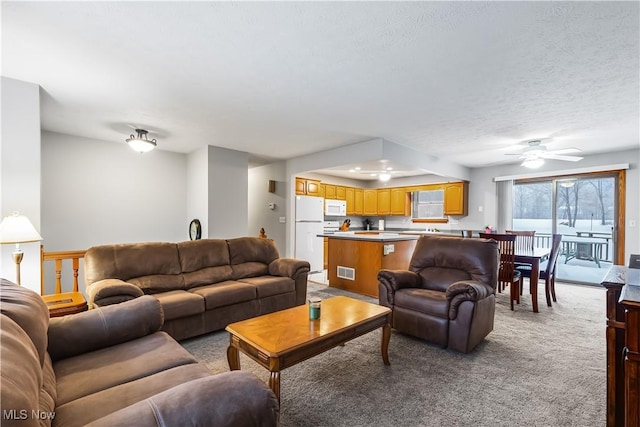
198 187
260 216
97 192
20 173
228 201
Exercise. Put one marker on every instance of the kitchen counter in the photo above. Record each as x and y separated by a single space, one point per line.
370 236
354 258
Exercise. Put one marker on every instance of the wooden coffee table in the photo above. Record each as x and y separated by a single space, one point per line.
283 338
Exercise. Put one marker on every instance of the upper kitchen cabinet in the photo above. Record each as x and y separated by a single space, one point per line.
308 187
384 201
370 202
400 201
341 192
359 201
350 193
330 191
456 198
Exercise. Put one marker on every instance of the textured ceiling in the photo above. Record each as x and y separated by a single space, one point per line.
462 81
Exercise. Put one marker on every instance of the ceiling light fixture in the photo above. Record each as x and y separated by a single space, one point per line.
384 177
140 143
533 162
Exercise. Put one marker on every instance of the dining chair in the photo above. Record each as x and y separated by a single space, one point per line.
525 240
508 273
634 261
547 271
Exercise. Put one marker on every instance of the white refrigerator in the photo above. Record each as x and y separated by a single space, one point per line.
309 223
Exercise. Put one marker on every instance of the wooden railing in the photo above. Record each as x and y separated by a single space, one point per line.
58 258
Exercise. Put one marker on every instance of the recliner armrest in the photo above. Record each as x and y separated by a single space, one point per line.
234 398
103 327
392 280
111 291
288 267
466 290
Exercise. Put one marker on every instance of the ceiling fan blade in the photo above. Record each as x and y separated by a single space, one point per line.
564 151
561 157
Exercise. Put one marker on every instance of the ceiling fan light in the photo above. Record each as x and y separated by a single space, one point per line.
533 163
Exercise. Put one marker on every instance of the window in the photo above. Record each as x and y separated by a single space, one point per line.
427 204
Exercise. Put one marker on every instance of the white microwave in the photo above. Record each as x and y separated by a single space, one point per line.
335 207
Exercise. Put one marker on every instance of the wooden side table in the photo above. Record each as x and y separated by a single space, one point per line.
65 303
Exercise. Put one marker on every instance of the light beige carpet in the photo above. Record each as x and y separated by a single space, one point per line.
534 369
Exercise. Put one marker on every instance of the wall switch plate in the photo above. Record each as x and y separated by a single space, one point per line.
282 219
272 206
632 223
388 249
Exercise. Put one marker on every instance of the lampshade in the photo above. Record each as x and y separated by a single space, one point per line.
16 228
533 163
140 143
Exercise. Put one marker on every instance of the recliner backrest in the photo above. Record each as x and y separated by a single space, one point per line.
441 261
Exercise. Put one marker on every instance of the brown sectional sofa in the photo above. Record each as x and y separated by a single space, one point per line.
111 366
202 285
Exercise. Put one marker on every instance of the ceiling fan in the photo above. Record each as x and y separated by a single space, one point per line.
535 153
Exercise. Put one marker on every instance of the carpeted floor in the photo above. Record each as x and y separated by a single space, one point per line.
544 369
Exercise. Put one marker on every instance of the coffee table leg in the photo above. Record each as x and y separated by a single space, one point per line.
274 383
233 357
386 336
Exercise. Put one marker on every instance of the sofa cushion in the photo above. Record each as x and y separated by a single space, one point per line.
249 249
30 313
129 260
90 407
423 301
176 304
101 369
249 269
156 283
267 286
225 293
207 275
198 254
20 370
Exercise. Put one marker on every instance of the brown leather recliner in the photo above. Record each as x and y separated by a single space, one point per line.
447 296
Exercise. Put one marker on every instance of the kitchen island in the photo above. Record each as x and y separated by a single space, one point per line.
356 257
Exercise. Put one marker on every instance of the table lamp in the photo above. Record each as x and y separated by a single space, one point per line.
17 229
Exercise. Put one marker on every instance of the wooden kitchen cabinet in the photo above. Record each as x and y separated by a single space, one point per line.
321 192
384 202
307 187
400 201
326 252
370 206
359 201
351 200
455 198
341 192
330 191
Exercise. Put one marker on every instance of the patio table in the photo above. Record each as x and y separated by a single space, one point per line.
588 248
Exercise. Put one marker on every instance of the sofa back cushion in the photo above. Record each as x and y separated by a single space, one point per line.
441 261
154 266
26 372
251 256
204 262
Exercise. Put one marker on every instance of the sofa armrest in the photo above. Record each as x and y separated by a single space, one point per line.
466 290
111 291
234 398
103 327
392 280
288 267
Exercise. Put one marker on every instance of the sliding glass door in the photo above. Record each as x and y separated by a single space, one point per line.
584 209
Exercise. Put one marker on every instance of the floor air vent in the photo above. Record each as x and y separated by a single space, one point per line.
346 273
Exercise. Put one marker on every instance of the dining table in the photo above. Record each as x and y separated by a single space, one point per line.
534 257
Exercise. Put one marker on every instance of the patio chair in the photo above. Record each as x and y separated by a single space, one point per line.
508 274
547 271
